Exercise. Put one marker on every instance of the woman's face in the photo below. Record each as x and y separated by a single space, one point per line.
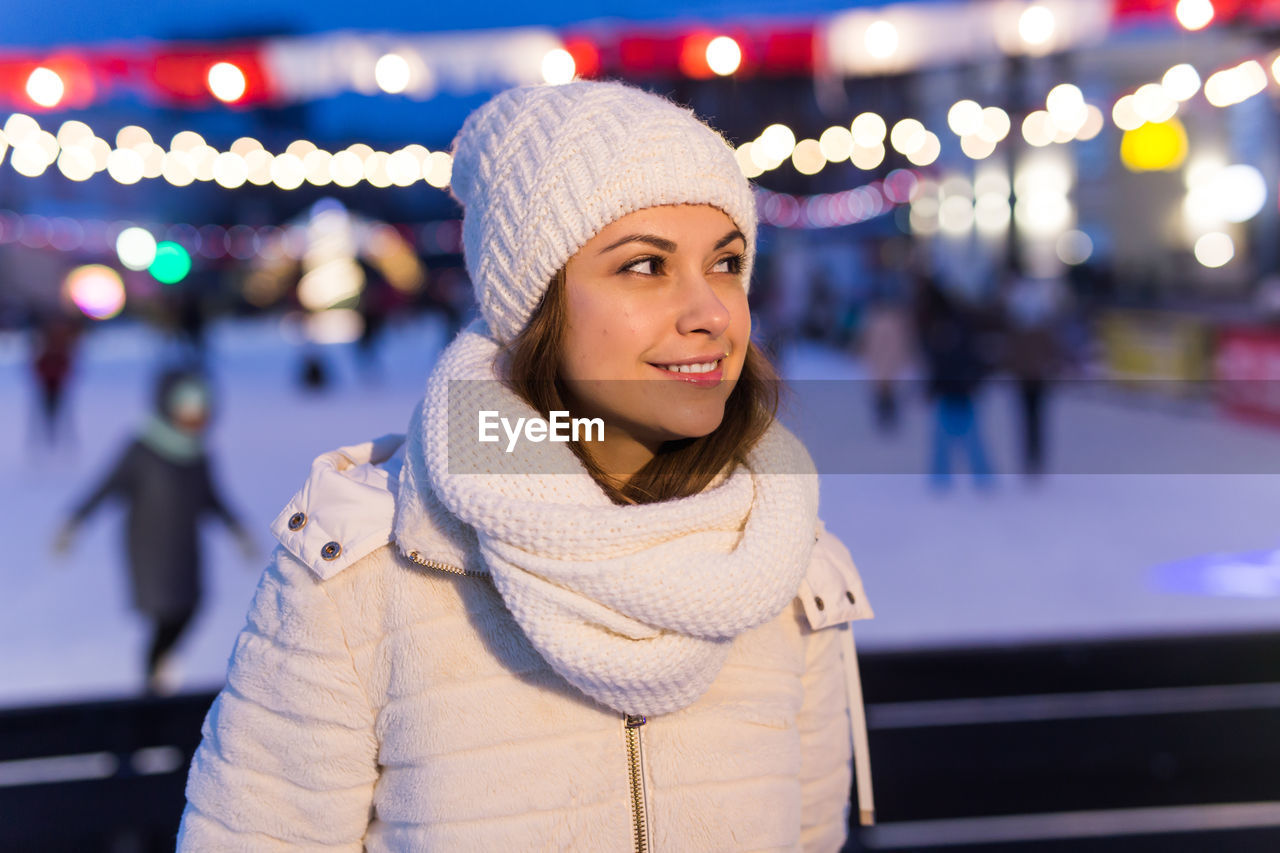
657 288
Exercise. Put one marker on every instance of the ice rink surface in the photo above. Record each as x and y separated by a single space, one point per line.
1080 553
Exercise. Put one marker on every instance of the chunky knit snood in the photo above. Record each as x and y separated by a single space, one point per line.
636 606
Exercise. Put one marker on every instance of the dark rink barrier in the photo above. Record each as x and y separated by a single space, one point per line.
1125 745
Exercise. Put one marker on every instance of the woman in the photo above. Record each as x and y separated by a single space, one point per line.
164 480
486 639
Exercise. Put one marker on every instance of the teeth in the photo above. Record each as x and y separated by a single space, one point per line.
690 368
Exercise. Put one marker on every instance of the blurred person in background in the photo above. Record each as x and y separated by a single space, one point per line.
641 643
1033 311
948 331
886 345
52 358
164 480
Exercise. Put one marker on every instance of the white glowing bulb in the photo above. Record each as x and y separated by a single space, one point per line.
440 170
907 136
928 150
392 73
1181 82
1194 14
230 170
837 143
1036 26
965 117
723 55
136 248
558 67
995 125
867 157
227 82
1125 114
976 147
881 40
45 87
777 141
1215 249
868 130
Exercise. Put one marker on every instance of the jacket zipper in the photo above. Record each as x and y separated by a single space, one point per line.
635 772
443 567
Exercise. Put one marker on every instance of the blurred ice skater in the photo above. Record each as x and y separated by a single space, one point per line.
163 477
1033 312
52 357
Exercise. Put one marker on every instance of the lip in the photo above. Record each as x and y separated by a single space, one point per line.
710 379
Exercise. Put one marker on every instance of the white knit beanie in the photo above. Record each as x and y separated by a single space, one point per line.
540 170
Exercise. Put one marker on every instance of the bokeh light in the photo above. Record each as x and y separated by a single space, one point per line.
1194 14
1215 249
227 82
96 290
171 264
558 67
1154 147
392 73
724 56
45 87
136 248
881 40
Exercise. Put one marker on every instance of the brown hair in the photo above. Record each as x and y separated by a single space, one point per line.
681 468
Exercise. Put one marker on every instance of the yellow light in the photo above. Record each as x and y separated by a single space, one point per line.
837 143
1154 147
287 172
965 117
346 168
132 136
907 136
226 82
723 55
558 67
186 140
18 127
244 145
124 165
976 147
441 171
258 166
76 163
202 159
869 130
404 168
928 150
74 133
995 125
392 73
745 161
176 169
317 165
300 148
777 141
881 40
375 170
1194 14
867 157
152 160
230 170
807 157
1038 128
45 87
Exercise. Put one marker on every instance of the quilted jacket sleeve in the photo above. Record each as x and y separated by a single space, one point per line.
826 747
288 758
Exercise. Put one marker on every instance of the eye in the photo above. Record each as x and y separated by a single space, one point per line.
731 265
644 266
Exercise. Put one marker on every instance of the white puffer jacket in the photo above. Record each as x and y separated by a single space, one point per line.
380 699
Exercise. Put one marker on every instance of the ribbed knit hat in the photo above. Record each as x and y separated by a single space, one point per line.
540 170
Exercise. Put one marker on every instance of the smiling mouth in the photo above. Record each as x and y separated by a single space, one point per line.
691 369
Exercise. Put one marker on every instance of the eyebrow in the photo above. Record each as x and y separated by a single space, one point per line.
669 245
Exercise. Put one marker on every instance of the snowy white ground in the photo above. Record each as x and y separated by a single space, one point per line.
1075 555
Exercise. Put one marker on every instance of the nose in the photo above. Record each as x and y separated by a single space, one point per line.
701 310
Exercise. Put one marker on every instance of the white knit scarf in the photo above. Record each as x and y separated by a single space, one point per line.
636 606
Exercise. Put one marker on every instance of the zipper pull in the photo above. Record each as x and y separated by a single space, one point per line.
634 721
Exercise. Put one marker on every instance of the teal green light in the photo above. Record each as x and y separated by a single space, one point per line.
172 263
